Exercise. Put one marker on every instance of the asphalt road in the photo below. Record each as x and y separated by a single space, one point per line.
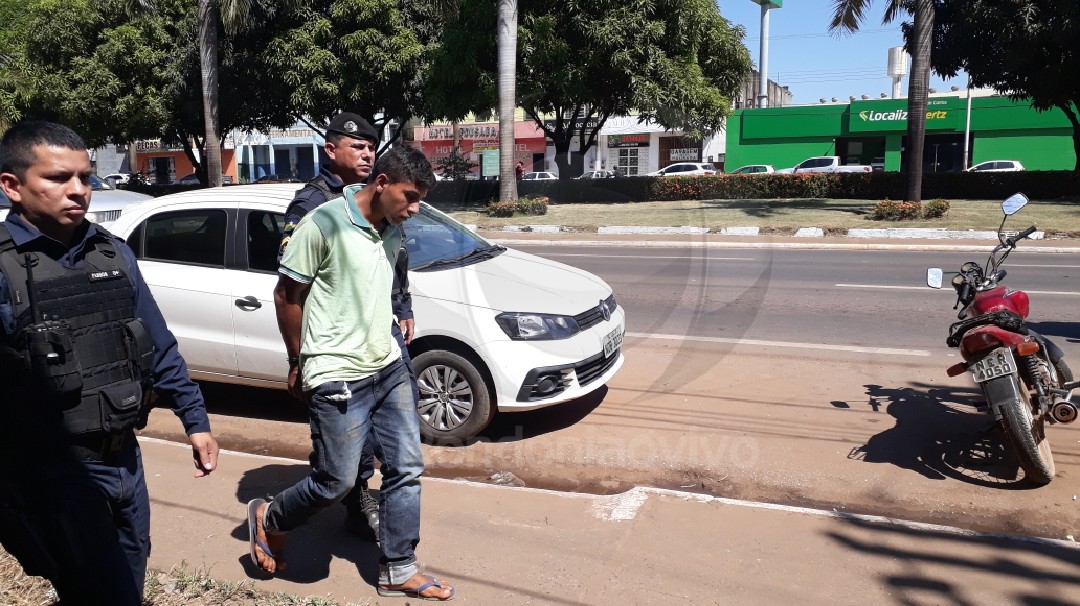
797 377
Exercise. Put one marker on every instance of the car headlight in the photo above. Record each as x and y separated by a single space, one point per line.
537 327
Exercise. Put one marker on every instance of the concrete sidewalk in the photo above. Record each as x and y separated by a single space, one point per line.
501 545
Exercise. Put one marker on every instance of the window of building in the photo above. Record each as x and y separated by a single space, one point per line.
628 161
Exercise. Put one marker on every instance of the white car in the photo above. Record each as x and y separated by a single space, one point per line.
753 169
118 178
539 176
997 166
497 329
106 203
685 169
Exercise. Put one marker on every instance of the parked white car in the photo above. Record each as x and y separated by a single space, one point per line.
753 169
118 178
538 176
106 203
497 329
685 169
997 166
829 164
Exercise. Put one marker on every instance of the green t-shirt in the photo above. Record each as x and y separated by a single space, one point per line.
349 266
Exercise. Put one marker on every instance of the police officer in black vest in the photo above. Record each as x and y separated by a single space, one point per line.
82 342
351 143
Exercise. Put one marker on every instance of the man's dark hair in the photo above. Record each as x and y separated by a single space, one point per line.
17 146
403 163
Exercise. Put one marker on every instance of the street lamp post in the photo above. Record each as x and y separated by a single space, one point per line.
763 58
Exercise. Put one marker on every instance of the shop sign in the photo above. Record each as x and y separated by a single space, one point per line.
628 140
489 165
938 116
686 154
155 145
592 122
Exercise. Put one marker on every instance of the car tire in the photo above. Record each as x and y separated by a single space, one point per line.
455 402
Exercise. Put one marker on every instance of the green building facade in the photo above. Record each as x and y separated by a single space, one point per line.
875 131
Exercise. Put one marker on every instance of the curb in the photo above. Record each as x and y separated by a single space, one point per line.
776 245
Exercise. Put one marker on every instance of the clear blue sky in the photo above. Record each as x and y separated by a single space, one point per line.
815 64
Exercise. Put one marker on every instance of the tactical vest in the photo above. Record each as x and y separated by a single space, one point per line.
79 363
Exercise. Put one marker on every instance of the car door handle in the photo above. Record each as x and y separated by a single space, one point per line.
248 302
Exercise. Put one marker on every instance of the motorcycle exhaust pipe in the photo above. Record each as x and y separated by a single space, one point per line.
1063 412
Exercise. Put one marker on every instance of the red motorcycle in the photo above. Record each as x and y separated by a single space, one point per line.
1022 374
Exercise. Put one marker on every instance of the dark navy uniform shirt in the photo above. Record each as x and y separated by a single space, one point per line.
311 197
171 378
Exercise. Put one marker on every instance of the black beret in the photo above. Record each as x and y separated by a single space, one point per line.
352 125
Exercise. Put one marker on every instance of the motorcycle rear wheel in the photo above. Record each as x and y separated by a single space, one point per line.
1027 437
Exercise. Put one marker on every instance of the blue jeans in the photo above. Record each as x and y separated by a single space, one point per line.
367 457
84 526
343 416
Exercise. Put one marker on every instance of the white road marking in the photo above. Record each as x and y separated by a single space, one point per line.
639 494
885 351
1045 266
619 507
650 257
885 287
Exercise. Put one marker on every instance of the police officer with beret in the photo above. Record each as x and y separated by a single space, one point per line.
351 143
82 342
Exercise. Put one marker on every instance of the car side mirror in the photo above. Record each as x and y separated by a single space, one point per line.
1014 203
933 277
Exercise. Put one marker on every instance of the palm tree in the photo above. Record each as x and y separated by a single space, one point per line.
847 16
234 15
507 37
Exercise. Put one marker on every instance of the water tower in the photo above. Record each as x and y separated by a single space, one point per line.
763 59
898 68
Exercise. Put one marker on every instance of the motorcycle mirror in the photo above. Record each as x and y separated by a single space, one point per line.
933 277
1014 203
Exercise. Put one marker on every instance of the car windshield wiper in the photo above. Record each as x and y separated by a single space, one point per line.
476 254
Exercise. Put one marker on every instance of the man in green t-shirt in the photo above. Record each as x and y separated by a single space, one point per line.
333 309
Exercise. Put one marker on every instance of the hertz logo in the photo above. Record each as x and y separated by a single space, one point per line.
898 115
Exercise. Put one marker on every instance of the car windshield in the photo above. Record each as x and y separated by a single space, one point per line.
97 184
435 241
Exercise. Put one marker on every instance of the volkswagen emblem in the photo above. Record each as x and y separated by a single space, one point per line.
605 313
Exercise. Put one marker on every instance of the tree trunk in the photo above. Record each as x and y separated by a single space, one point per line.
507 36
1071 115
918 90
208 60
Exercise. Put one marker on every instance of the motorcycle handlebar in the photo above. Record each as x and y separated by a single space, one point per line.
1020 236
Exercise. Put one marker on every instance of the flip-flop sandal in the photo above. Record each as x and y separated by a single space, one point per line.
253 535
415 593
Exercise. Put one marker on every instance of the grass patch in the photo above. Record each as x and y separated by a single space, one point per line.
779 216
180 586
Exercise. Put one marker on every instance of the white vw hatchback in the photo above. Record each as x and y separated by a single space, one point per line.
497 329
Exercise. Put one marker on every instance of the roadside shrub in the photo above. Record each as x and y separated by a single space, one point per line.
894 210
936 208
532 205
501 209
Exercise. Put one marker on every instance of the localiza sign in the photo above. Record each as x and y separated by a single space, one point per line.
893 115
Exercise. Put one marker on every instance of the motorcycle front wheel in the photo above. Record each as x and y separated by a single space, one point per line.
1026 435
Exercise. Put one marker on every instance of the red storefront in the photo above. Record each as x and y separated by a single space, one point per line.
438 141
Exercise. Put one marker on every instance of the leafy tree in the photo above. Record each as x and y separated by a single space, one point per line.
677 62
118 78
1027 49
848 15
363 56
456 165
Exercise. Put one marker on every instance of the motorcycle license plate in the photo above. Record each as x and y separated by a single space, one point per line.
999 363
612 342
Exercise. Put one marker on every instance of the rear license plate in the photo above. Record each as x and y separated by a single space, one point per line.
612 342
999 363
